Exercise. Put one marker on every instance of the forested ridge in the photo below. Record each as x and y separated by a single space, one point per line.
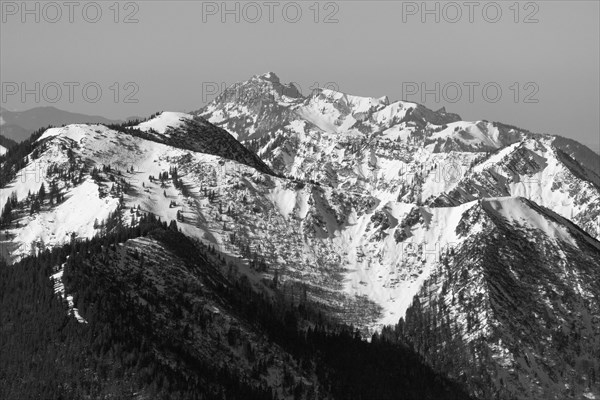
140 341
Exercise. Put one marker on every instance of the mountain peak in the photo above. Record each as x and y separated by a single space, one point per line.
265 87
269 76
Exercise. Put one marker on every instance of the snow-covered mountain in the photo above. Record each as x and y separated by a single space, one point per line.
407 152
189 132
361 204
539 171
251 215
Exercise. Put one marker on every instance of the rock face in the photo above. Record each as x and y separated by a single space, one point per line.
405 151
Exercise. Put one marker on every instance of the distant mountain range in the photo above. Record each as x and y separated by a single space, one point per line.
19 125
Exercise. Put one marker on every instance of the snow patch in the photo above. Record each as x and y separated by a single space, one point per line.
59 289
284 199
514 210
164 121
75 215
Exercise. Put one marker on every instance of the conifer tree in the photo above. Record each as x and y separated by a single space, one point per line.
42 193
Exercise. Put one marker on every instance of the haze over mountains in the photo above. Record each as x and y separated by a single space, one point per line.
19 125
472 243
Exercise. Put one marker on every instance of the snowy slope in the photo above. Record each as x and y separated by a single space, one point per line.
3 150
537 170
482 134
403 151
194 133
164 121
222 197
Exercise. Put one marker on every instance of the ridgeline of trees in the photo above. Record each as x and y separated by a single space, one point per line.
6 142
122 349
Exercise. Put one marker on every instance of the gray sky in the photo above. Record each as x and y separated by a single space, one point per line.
179 50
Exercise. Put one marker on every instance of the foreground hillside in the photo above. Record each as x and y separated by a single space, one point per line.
149 315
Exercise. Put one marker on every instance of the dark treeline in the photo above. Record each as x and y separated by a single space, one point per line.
46 354
18 156
7 142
